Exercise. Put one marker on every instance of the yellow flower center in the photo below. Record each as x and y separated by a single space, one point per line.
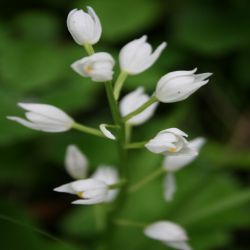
80 194
88 69
172 150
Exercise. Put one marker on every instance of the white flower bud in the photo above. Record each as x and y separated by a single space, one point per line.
108 175
133 101
90 191
136 56
168 233
106 132
84 27
170 142
99 67
44 117
76 163
179 85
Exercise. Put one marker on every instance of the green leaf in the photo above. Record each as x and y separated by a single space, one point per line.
38 26
210 30
28 66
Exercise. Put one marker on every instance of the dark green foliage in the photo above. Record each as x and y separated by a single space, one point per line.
212 200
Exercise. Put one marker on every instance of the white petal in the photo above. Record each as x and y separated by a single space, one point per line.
179 85
133 101
127 53
165 231
85 28
24 122
99 67
179 73
51 128
169 186
109 175
42 120
153 57
76 162
106 132
201 77
48 111
98 26
175 131
88 202
77 66
181 245
174 163
137 56
87 184
66 188
95 193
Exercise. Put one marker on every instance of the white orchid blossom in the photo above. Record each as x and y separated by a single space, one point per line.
85 28
108 175
179 85
137 56
99 67
168 233
174 163
170 142
133 101
76 163
90 191
44 117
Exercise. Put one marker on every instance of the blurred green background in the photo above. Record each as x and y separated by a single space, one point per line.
213 197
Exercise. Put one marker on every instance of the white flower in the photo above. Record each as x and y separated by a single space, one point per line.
106 132
99 67
84 27
133 101
179 85
90 191
108 175
169 234
170 142
76 163
174 163
136 56
44 117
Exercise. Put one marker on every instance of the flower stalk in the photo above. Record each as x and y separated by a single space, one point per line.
135 108
87 130
136 145
146 180
152 100
89 48
119 83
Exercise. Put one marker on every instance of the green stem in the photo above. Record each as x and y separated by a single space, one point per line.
88 130
135 145
119 83
128 223
152 100
128 130
89 49
119 184
99 217
112 103
147 180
